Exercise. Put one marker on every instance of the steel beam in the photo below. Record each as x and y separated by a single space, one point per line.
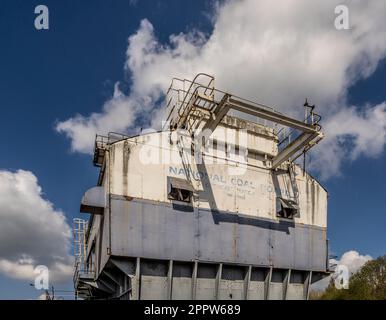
109 275
307 284
138 279
170 280
218 280
270 115
194 280
304 139
286 283
216 116
127 267
309 132
267 283
102 284
247 282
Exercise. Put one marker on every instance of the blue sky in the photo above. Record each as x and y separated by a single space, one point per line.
49 76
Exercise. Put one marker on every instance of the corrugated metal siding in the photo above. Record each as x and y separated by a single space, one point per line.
157 230
252 192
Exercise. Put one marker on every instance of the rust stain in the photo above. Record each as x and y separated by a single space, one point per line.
128 198
125 166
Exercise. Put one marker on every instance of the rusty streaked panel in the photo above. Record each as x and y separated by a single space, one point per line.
230 241
153 230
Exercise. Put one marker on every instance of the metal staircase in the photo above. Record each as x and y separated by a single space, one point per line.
188 107
196 106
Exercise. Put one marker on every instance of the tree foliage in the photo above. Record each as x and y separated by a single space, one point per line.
369 283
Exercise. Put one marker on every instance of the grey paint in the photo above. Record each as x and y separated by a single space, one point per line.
137 278
141 228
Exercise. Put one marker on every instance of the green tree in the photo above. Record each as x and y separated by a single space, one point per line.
369 283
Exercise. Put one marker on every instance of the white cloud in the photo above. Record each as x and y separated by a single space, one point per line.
275 52
350 133
32 232
352 259
117 115
42 297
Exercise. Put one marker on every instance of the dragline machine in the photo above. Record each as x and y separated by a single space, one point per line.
213 206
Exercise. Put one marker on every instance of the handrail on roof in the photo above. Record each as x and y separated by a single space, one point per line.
187 93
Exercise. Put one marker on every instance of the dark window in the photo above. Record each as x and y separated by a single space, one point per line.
287 208
179 190
180 194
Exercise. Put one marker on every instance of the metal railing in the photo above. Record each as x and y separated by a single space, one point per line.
101 143
178 96
81 271
286 135
184 96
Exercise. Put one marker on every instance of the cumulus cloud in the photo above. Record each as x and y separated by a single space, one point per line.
42 297
275 52
351 132
117 114
32 231
352 259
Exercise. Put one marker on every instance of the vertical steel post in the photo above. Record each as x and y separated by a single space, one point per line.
194 280
138 279
247 282
286 283
218 280
307 284
267 283
170 280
